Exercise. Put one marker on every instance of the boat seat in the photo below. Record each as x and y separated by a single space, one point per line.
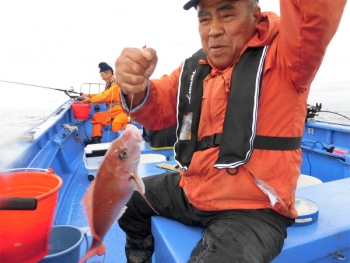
307 180
319 242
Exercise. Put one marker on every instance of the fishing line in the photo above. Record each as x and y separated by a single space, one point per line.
19 83
132 96
132 99
74 180
335 113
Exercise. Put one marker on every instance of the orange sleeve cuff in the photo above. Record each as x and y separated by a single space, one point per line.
182 182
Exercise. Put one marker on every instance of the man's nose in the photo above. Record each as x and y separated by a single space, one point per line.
216 27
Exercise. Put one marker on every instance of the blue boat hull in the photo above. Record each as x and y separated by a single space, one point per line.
58 143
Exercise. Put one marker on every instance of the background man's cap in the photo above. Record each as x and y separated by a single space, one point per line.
194 3
104 67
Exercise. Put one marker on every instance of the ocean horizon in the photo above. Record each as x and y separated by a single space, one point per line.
16 122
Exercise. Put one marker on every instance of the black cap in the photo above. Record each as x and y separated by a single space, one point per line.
194 3
190 4
104 67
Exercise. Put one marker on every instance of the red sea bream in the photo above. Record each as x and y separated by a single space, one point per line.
114 185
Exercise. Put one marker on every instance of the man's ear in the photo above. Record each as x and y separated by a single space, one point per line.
257 14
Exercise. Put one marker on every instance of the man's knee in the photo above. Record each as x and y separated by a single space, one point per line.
117 126
97 117
94 118
241 236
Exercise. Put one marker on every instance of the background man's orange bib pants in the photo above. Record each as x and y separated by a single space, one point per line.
115 115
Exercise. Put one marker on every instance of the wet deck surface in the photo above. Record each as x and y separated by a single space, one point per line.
71 212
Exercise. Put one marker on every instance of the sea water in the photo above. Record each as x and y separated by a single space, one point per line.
15 122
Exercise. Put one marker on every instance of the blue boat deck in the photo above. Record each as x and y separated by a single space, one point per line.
317 242
70 211
54 146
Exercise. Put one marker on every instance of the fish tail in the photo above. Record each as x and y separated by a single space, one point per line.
97 248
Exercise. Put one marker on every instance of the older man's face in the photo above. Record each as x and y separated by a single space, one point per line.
225 27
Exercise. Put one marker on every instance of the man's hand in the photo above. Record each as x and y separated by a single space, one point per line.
133 69
86 100
85 96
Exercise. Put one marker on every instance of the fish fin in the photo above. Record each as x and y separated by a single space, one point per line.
97 248
87 199
87 203
140 187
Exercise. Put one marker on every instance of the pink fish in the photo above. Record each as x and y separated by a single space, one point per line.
114 185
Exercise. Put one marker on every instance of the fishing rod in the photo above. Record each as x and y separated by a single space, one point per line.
335 113
71 90
313 110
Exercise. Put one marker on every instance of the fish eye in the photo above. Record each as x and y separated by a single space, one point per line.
123 154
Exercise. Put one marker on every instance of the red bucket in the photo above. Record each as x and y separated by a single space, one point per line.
25 234
81 110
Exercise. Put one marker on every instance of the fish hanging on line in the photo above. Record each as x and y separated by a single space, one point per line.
113 187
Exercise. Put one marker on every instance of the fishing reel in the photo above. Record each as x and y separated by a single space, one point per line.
76 97
312 112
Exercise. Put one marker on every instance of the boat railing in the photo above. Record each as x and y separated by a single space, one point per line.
92 88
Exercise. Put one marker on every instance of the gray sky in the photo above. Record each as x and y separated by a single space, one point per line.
59 43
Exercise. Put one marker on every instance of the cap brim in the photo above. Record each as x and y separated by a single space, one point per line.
190 4
194 3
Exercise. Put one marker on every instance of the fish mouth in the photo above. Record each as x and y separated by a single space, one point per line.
135 132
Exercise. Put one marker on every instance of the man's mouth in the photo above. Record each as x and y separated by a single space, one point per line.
216 48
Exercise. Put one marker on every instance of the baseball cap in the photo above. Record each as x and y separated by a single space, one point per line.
193 3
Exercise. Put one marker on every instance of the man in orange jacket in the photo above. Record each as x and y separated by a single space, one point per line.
110 96
239 104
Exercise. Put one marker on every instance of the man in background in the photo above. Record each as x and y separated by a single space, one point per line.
110 96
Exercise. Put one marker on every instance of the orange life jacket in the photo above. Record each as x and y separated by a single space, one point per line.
297 42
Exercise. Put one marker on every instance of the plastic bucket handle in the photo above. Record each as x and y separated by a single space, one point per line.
18 203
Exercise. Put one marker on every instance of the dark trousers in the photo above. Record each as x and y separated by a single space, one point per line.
252 236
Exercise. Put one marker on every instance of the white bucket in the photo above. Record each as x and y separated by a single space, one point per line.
307 180
152 158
